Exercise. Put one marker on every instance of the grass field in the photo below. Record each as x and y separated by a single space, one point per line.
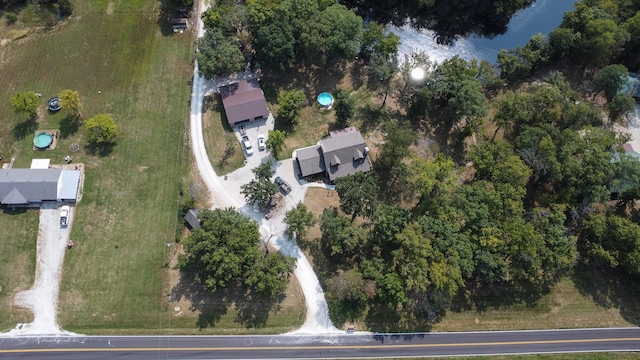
122 61
223 148
18 233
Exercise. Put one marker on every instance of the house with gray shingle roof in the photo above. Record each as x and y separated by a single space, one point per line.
343 153
30 187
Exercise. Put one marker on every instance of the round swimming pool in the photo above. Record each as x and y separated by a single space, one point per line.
42 140
325 100
54 104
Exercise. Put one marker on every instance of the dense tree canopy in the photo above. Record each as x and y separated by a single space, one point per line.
218 54
224 253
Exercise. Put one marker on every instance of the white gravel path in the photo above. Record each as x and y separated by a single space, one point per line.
42 298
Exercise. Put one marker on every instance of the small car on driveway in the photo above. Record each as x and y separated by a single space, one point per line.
247 145
284 186
64 215
261 142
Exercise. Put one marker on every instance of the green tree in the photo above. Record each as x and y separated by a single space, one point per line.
101 130
389 168
612 241
264 171
70 101
520 62
358 195
620 106
25 102
275 142
297 220
218 55
331 33
259 192
376 41
275 45
339 235
223 251
289 106
345 107
609 80
498 163
347 295
424 268
381 74
270 275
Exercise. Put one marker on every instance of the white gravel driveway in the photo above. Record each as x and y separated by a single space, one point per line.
42 298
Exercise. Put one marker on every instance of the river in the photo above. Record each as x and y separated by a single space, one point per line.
541 17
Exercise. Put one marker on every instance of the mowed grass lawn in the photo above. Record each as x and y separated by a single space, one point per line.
113 277
18 234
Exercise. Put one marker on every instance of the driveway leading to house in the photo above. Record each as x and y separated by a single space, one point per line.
225 192
42 298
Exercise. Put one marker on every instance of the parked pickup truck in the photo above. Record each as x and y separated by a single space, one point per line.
64 215
284 186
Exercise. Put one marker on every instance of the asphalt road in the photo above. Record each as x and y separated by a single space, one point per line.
320 347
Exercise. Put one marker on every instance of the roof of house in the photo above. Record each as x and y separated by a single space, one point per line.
192 218
22 186
243 100
310 160
68 185
345 153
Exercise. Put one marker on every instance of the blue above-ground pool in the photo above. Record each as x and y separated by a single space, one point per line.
325 100
54 104
43 140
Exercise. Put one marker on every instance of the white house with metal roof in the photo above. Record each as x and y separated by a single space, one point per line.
30 187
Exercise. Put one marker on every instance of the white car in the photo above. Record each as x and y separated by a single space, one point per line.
247 145
261 143
64 215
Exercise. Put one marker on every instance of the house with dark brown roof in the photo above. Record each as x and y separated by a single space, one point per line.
244 101
343 153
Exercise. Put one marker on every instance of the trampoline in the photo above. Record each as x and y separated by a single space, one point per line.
325 100
54 104
43 140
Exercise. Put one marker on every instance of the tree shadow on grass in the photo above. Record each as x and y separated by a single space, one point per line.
69 125
24 128
211 306
610 289
253 310
100 150
380 318
484 297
